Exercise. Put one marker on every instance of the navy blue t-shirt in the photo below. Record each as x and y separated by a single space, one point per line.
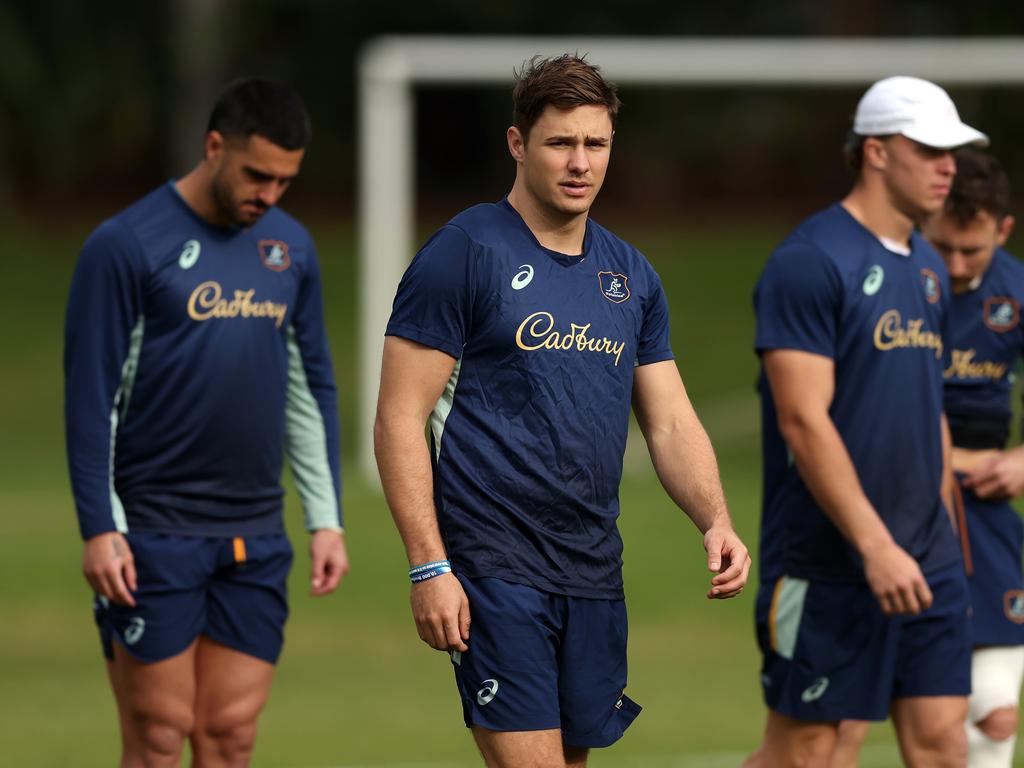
832 289
987 341
195 356
529 435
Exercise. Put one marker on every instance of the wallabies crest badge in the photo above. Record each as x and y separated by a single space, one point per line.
614 286
1001 313
274 255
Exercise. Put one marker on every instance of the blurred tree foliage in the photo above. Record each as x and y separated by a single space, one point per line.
101 100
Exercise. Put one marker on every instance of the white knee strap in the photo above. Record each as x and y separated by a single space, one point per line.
984 752
996 675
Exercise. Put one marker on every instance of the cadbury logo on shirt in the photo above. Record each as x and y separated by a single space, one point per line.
891 333
537 331
207 302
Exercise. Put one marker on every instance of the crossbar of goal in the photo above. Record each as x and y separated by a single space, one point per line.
391 67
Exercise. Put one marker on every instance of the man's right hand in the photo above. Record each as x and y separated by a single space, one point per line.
109 567
896 580
441 610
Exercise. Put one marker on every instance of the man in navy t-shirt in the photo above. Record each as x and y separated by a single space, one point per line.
195 357
523 331
864 609
987 343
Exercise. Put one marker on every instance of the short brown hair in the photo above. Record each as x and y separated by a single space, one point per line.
980 184
853 149
564 82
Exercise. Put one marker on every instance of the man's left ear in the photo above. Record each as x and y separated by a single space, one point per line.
1006 228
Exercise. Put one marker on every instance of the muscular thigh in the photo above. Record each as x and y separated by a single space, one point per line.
160 692
231 687
521 749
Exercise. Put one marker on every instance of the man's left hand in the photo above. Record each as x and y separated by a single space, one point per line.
329 561
1000 478
728 557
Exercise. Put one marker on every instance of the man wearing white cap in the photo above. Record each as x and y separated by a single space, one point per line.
862 611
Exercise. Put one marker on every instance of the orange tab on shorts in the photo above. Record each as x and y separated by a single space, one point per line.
239 549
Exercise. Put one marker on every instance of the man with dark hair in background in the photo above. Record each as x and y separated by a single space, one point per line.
523 330
862 610
987 342
195 354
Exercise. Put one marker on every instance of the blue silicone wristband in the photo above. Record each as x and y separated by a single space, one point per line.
439 570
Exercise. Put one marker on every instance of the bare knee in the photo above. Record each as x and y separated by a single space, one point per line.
164 739
225 740
157 738
792 743
851 736
810 759
937 746
1000 724
810 749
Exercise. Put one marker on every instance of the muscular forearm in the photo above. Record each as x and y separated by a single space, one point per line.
404 464
685 462
825 465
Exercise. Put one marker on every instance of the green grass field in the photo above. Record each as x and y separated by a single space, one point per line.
356 687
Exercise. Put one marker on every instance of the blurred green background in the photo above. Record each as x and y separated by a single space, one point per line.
100 102
355 686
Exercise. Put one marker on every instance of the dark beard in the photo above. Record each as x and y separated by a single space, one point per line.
226 206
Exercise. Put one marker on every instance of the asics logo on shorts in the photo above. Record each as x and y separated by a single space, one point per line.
523 277
133 633
487 692
815 690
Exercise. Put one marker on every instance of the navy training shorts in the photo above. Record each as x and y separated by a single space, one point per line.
233 590
539 660
996 534
829 653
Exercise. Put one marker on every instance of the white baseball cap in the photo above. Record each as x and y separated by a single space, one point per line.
914 108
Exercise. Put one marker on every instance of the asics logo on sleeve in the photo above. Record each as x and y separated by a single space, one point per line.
189 254
487 692
523 277
874 280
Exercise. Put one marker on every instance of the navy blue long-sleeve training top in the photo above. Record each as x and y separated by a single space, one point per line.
195 356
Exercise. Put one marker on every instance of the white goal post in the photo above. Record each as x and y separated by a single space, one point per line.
391 67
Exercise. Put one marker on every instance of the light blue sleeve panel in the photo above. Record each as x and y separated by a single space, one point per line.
102 337
312 439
